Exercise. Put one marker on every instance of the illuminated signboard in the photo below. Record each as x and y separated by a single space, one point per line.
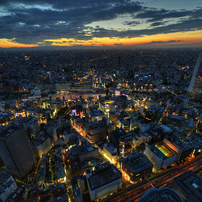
117 92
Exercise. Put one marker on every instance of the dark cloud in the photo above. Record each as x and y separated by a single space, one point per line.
30 22
155 24
186 25
131 23
157 15
160 42
160 14
118 44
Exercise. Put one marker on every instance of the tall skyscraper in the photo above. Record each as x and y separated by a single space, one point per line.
16 151
194 88
49 75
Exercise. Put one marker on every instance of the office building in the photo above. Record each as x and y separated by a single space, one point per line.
162 195
122 141
19 194
16 151
41 144
157 133
84 152
161 155
141 138
182 149
51 129
97 115
110 151
137 165
78 187
30 123
126 144
7 186
188 186
95 131
123 123
180 121
105 179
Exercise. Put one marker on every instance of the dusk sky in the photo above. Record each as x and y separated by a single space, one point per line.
104 23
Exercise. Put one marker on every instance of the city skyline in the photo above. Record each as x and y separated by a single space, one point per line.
106 24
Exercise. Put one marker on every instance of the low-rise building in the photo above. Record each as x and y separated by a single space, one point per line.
137 165
122 141
7 186
19 194
160 155
140 138
51 129
189 186
30 123
78 187
41 144
95 131
97 115
110 151
105 179
60 174
182 149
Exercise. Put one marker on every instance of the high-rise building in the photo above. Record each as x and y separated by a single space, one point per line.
16 151
195 86
49 75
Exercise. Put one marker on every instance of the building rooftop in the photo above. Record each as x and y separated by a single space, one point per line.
40 138
191 184
104 174
97 113
9 131
161 195
126 138
76 190
60 172
16 194
164 149
26 120
5 182
137 161
50 124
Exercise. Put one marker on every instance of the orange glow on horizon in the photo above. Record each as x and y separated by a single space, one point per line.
178 38
10 43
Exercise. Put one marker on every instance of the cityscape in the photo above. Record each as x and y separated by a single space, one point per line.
101 125
100 101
